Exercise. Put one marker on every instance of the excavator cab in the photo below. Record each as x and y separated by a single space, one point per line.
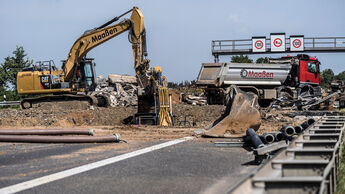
84 75
87 73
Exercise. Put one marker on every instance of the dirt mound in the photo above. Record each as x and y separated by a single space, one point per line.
175 96
201 116
61 106
64 114
76 113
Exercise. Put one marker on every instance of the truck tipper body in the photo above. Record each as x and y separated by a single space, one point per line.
292 75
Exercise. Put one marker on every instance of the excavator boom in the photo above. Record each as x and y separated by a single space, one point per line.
105 32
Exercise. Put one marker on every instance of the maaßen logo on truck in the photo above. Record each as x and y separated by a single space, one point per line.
251 74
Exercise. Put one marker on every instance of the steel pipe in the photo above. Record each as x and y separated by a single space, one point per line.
298 129
47 132
288 131
267 138
60 139
307 123
278 136
254 138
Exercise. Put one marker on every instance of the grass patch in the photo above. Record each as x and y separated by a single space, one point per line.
341 180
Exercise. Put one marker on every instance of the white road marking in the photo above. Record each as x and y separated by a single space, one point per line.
73 171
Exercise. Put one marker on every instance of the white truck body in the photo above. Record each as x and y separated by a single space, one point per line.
243 74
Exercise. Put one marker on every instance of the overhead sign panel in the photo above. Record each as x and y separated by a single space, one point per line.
296 43
277 42
259 44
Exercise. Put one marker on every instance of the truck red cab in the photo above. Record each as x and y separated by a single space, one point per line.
309 70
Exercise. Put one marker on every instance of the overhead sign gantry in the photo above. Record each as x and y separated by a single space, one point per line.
277 43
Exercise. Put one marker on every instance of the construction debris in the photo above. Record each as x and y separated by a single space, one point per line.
305 101
194 100
121 89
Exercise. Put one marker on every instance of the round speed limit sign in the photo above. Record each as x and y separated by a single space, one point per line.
296 43
259 44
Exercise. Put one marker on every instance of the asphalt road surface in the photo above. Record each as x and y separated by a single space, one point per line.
192 166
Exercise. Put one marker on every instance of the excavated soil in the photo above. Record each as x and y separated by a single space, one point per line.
75 114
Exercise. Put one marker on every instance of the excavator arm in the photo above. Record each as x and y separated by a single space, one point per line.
92 38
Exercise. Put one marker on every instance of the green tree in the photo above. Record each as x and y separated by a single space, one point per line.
9 70
327 76
262 60
340 76
241 59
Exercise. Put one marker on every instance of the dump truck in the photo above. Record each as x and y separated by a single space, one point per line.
289 75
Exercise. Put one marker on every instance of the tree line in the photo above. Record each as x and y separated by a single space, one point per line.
8 73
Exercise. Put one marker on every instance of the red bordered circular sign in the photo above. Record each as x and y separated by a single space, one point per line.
258 44
297 43
278 42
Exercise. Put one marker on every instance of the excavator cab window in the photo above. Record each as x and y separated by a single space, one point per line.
88 74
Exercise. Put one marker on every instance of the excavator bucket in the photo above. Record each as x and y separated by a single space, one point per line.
240 114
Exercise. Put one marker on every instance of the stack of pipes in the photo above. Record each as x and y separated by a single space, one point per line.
286 133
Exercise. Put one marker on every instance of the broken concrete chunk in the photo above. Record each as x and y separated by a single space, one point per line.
121 89
115 78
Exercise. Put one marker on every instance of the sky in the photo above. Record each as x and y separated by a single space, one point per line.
179 32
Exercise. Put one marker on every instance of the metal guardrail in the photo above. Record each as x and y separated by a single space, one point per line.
9 103
311 44
309 165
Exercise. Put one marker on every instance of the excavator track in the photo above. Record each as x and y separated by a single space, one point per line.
101 101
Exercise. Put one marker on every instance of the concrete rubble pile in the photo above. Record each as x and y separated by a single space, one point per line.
307 101
121 89
194 100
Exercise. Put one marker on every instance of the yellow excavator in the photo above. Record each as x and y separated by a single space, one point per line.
76 80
